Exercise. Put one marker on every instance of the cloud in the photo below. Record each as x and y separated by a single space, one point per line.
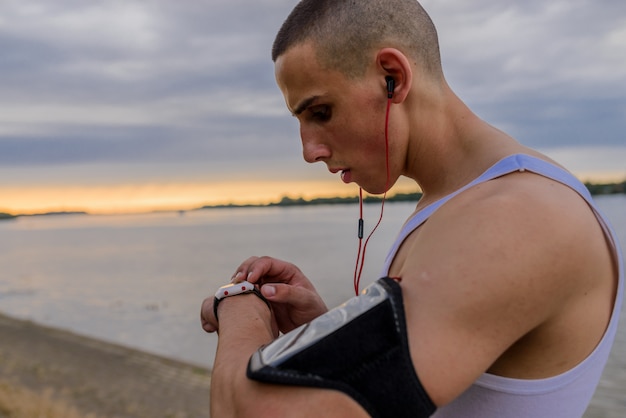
549 72
191 84
143 81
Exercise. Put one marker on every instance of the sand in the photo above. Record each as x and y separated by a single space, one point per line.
100 378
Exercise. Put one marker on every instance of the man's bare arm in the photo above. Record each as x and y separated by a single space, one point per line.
501 265
245 325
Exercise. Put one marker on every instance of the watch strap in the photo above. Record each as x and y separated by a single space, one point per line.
253 290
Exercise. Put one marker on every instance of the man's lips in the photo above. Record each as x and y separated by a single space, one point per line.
346 176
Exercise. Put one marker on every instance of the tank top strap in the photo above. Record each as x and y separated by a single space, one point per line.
507 165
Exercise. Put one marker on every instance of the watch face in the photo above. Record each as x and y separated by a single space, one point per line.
234 289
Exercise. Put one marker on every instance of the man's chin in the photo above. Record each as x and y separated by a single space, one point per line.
372 190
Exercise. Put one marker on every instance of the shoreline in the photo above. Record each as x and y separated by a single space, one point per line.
596 189
99 378
103 379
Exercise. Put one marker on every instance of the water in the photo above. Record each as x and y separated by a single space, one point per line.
139 280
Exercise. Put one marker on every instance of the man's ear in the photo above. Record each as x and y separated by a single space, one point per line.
393 63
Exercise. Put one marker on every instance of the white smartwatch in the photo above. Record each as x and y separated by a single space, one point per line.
235 289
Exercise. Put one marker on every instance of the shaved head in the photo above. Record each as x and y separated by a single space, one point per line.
346 33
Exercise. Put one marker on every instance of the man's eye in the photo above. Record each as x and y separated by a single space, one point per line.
321 113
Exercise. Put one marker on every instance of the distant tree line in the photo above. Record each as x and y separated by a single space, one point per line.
399 197
594 189
607 188
4 215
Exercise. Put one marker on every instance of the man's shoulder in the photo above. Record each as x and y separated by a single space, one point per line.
528 228
524 197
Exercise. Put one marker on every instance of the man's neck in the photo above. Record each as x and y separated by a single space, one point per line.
452 147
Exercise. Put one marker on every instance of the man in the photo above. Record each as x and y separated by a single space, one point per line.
509 285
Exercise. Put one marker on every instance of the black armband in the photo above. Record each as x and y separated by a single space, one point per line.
360 348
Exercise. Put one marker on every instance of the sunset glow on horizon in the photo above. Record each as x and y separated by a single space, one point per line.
148 197
171 196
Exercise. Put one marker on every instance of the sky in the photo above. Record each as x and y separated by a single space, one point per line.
127 105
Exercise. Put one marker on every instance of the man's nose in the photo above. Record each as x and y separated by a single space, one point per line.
313 149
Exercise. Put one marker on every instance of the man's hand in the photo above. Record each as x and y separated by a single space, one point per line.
207 317
293 297
209 321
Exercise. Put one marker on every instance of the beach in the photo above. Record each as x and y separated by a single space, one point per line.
100 379
97 378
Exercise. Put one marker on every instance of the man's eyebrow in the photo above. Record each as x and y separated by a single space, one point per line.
304 104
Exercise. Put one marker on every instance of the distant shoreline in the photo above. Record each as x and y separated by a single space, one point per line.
594 189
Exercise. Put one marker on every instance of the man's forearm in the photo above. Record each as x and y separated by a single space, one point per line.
244 327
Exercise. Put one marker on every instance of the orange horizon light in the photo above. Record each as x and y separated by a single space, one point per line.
171 196
149 197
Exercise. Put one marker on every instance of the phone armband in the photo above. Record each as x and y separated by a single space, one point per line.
360 348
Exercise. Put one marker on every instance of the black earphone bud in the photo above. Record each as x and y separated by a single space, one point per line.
391 85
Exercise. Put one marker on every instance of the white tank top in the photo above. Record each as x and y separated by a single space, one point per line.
563 396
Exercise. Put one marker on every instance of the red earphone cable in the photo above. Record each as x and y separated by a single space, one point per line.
360 258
